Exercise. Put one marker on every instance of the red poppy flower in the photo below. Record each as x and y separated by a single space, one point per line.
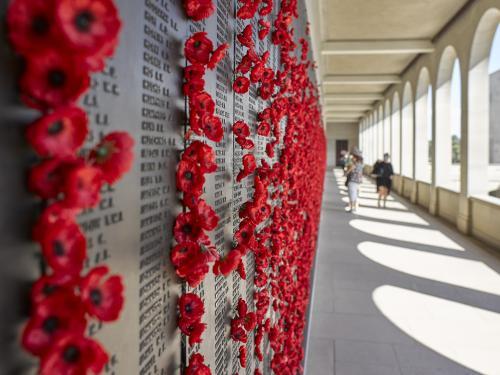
58 134
196 366
247 10
265 26
193 86
103 298
250 321
194 71
241 129
217 55
56 211
198 10
46 178
189 178
191 307
82 186
245 37
113 156
194 270
187 228
245 233
249 167
257 72
202 103
184 251
242 307
198 48
51 80
192 329
241 270
264 11
57 315
227 264
64 247
238 332
270 150
88 25
245 143
264 129
245 65
74 354
30 25
241 84
201 154
205 215
268 75
212 127
243 356
49 285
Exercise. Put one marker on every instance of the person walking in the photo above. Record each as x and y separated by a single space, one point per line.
384 173
354 179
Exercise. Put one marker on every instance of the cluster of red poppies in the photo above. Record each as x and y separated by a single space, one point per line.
191 310
280 223
61 42
199 51
194 250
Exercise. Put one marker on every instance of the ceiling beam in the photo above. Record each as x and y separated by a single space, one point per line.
340 121
352 97
348 107
376 47
344 115
363 79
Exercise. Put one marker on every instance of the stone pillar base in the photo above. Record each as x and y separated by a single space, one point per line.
434 201
414 192
464 215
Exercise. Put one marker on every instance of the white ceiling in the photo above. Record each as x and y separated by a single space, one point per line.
363 46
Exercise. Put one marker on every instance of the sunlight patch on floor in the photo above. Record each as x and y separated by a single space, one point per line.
406 233
466 273
393 215
373 203
465 334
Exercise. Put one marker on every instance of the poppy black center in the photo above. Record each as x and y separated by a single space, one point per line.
50 324
71 354
102 152
244 234
56 77
55 127
188 175
186 228
40 25
58 248
96 296
197 44
83 21
188 308
48 289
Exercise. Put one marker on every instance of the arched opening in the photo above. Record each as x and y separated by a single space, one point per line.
484 108
423 128
396 134
448 121
387 127
407 133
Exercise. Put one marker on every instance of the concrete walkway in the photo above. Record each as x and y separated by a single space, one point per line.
399 292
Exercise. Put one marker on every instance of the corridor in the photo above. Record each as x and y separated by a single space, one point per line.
398 291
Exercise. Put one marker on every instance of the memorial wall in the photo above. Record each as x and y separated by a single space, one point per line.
259 250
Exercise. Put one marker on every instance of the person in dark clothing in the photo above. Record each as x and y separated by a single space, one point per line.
384 172
374 174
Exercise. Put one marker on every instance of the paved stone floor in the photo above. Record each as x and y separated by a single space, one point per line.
398 291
